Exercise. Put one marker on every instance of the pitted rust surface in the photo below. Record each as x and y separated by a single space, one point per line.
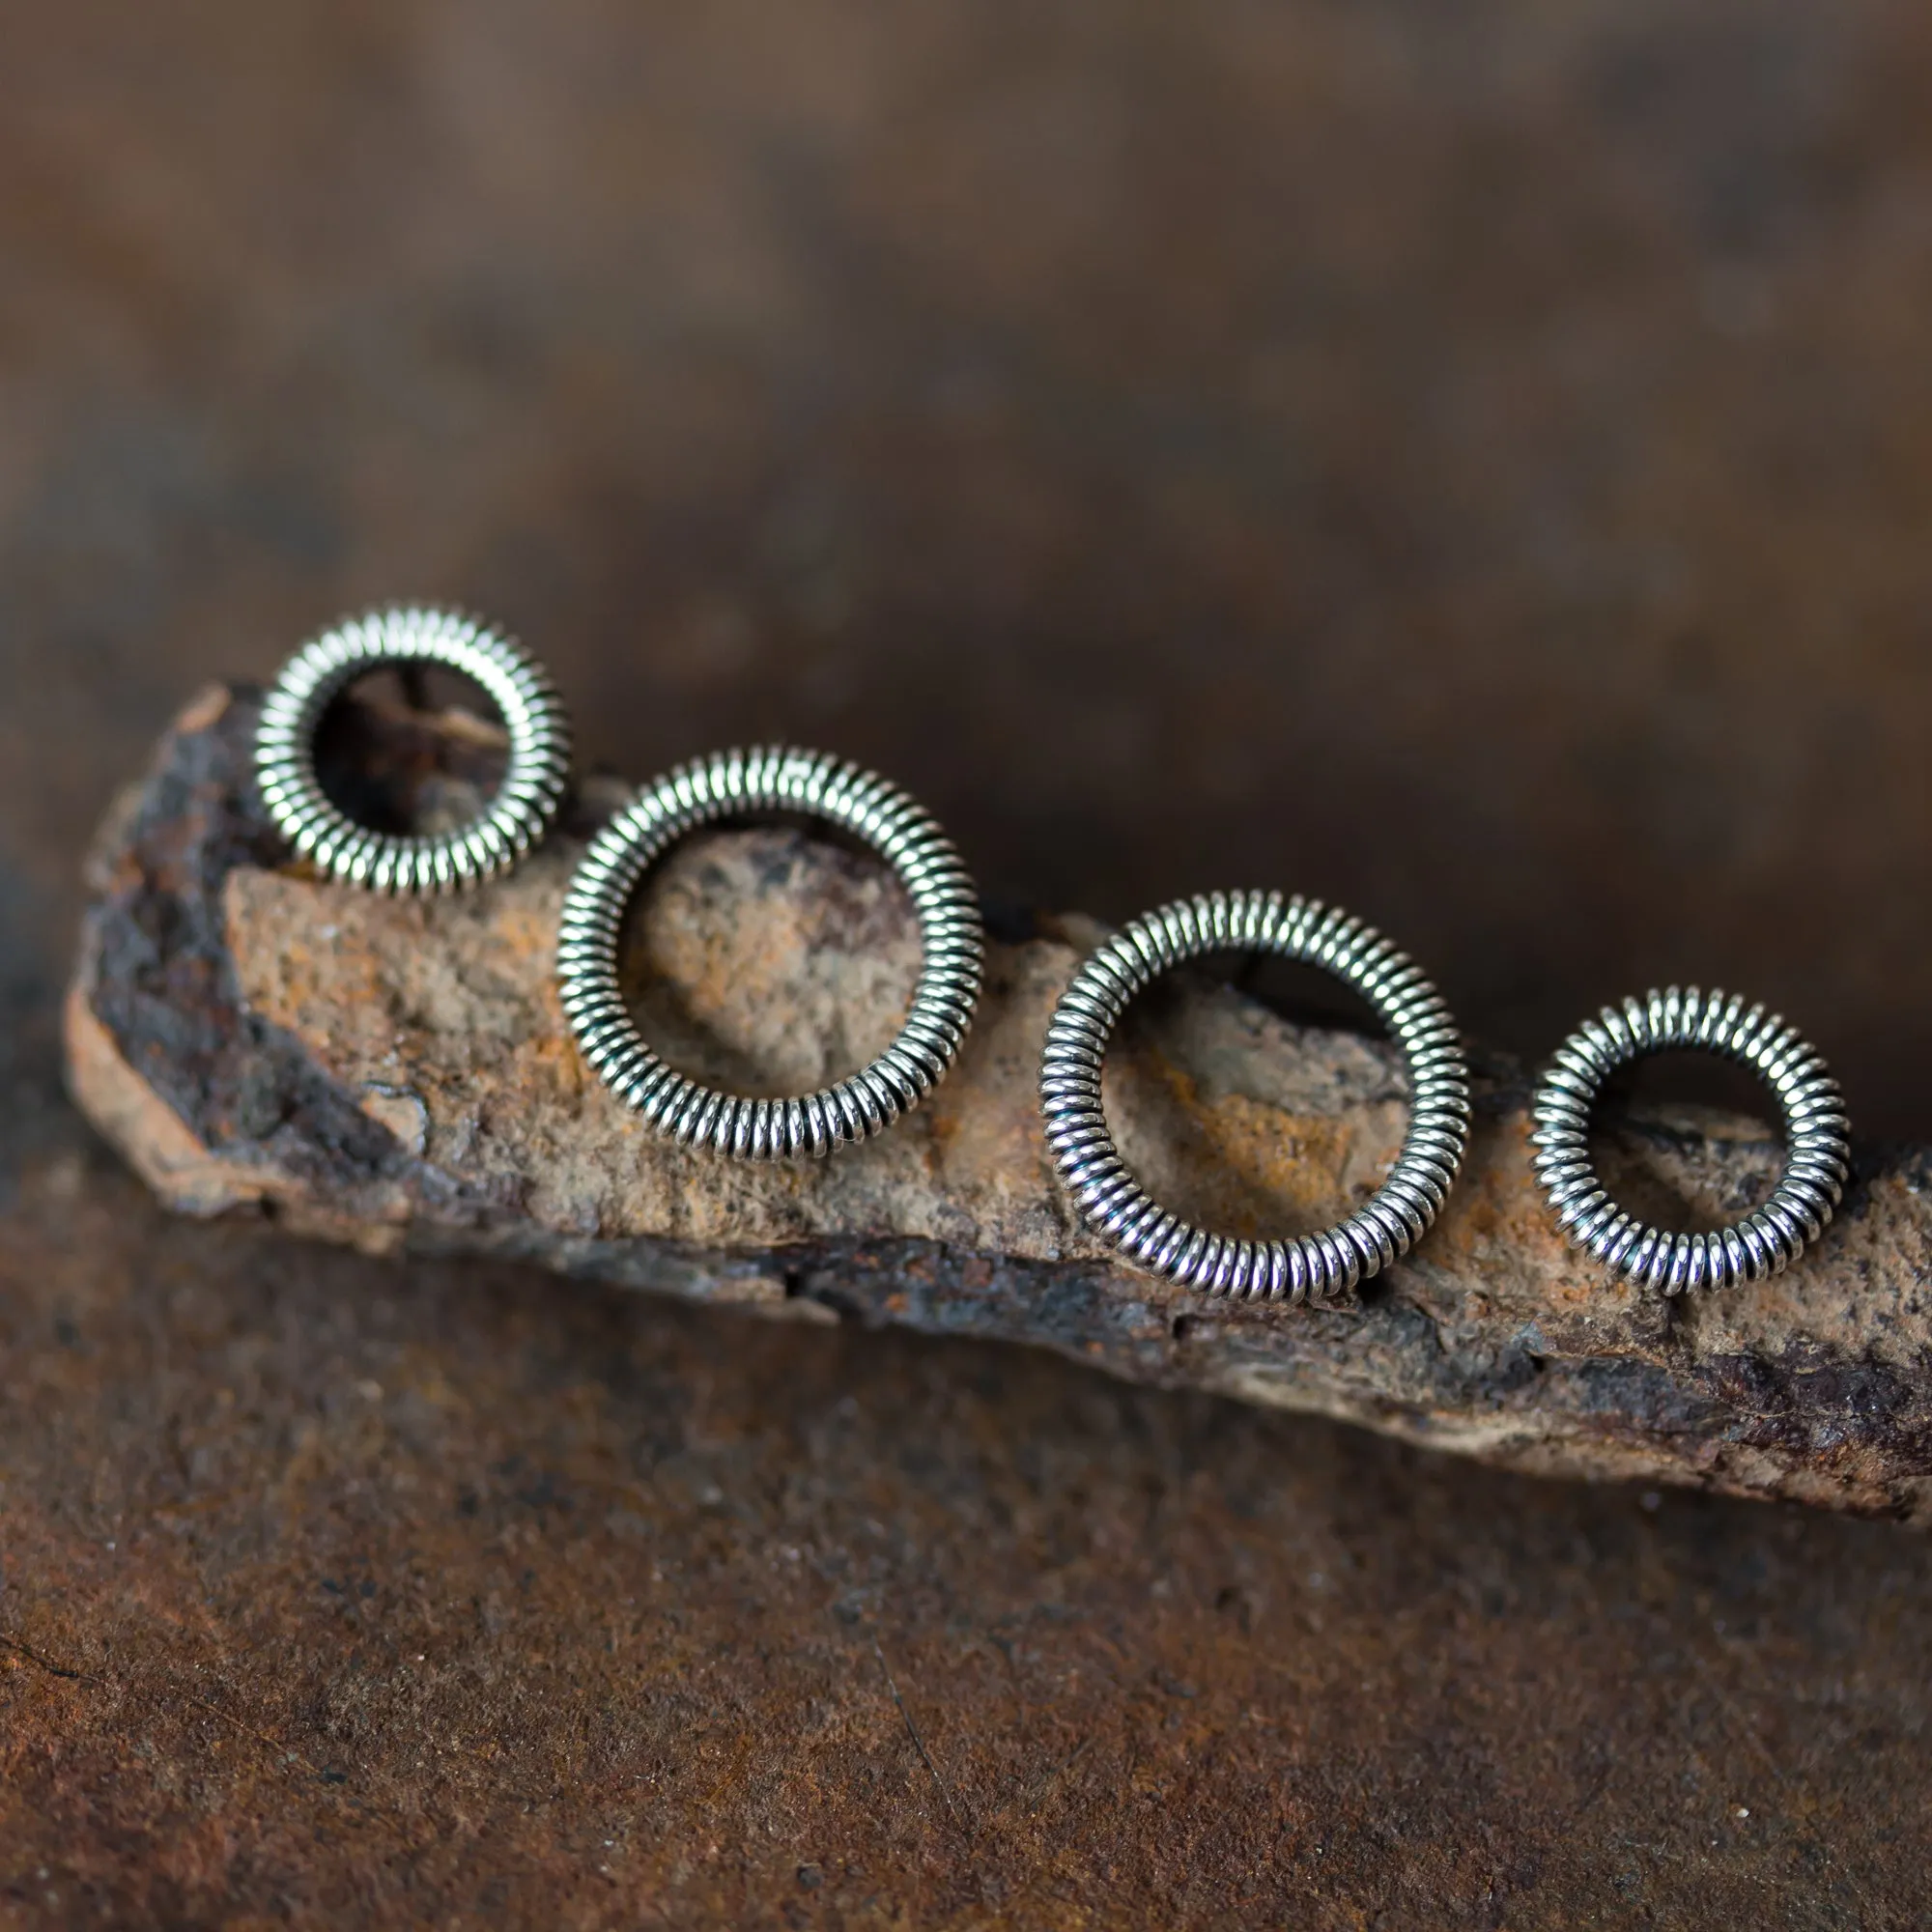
398 1074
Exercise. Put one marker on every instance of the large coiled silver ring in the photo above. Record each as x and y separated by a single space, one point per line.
1762 1244
516 818
1314 1268
732 784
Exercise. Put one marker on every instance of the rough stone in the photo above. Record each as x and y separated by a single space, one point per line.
398 1076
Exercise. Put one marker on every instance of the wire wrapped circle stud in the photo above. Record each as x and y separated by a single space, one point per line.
1763 1243
729 785
1314 1268
517 816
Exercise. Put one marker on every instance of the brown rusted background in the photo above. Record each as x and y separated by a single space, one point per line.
1468 459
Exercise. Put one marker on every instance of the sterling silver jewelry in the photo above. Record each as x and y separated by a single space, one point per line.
1763 1243
728 785
492 844
1316 1267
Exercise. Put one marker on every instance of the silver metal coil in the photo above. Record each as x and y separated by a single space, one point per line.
1316 1267
1763 1243
730 785
517 816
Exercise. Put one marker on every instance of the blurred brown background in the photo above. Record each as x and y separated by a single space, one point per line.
1472 461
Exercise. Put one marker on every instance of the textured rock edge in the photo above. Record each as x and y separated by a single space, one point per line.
1492 1340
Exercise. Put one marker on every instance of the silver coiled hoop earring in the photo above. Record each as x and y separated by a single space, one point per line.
1316 1267
730 786
517 817
1762 1244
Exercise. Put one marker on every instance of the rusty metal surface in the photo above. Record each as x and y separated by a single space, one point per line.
400 1076
1387 414
343 1595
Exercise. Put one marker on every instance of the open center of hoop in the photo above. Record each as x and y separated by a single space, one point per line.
1687 1140
1259 1145
770 958
412 750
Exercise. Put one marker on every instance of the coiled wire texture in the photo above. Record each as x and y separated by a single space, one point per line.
729 785
1764 1242
1316 1267
517 817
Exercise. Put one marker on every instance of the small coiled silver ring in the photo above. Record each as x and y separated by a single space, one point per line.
1316 1267
730 784
517 817
1764 1242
